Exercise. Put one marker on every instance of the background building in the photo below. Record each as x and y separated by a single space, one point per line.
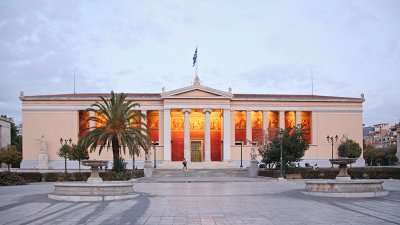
5 131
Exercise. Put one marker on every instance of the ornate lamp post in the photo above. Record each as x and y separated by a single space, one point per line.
332 140
65 142
281 163
241 153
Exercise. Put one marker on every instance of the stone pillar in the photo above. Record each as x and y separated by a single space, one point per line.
144 112
167 135
314 128
282 119
248 128
298 117
161 127
207 135
227 135
232 126
186 134
265 122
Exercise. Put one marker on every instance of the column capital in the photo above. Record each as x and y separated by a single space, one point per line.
186 111
207 111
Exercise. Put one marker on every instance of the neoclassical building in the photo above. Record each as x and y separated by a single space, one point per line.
199 123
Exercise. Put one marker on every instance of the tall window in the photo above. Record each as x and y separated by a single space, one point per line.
256 126
273 124
290 119
152 124
306 122
240 125
83 116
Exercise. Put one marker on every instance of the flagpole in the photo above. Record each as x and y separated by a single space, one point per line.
197 61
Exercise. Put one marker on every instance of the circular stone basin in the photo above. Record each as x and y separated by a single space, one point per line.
94 163
83 191
347 189
343 161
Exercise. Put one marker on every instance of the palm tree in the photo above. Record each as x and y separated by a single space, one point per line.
117 125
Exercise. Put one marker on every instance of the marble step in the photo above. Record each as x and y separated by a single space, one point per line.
200 173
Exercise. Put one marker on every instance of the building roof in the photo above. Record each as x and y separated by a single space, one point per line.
157 96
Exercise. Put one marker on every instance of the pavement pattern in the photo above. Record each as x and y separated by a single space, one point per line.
262 201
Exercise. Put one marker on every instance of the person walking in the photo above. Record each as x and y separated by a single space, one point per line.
184 164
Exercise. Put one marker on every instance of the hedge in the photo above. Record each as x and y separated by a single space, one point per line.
327 173
59 176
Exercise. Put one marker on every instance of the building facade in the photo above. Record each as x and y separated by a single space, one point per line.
199 123
5 131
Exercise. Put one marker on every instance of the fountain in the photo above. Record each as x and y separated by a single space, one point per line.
343 186
95 189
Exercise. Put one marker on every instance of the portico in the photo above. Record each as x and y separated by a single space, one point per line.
198 123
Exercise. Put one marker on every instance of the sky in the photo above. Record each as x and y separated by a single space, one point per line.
344 48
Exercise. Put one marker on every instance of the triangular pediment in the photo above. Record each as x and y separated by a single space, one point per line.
196 91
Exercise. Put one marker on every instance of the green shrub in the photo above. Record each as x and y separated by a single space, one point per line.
53 177
81 176
8 178
343 150
31 176
119 165
327 173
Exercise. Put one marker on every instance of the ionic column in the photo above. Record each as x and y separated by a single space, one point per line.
265 126
227 134
144 112
248 127
186 134
207 136
161 127
282 119
298 117
232 126
167 135
265 121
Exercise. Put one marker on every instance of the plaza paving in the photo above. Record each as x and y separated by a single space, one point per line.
262 201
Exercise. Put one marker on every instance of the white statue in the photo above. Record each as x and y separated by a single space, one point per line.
43 145
43 162
147 155
253 154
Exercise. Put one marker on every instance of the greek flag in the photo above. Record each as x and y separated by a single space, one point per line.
195 57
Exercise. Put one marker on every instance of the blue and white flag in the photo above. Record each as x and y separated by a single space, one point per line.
195 57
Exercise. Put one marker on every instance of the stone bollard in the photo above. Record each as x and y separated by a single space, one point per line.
148 169
253 168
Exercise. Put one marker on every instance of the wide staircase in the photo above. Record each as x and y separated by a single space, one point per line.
199 172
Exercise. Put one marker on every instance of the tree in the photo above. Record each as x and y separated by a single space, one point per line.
64 152
294 146
120 126
349 148
78 153
9 155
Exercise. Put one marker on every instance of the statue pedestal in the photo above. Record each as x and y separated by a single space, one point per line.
253 168
148 169
43 163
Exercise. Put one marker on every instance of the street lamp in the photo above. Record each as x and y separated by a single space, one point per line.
241 152
281 163
133 153
331 140
65 141
155 153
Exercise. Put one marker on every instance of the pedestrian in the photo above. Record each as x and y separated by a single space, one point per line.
184 164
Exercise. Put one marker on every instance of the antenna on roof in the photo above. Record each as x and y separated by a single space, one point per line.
74 80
